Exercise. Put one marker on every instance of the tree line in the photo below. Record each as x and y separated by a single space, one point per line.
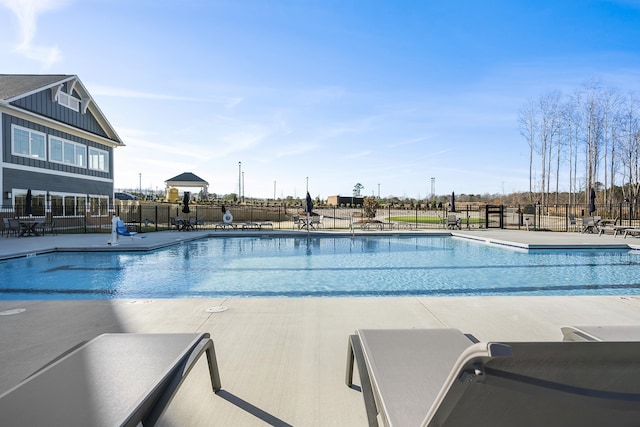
589 138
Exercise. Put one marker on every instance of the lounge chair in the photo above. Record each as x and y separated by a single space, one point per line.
608 226
112 380
250 226
453 222
601 333
632 230
442 377
266 224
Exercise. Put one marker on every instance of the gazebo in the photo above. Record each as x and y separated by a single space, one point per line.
186 180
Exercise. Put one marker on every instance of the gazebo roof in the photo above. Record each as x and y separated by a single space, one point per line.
186 179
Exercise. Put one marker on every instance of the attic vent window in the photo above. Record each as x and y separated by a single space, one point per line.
68 101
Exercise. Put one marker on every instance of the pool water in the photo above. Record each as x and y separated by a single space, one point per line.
321 266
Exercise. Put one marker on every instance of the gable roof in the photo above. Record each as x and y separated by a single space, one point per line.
16 86
187 177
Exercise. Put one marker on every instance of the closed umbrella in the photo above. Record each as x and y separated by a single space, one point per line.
592 201
29 203
308 208
453 201
185 201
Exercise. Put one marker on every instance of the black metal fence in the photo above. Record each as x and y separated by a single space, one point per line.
150 216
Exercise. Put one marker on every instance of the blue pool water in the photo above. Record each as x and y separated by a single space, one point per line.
321 266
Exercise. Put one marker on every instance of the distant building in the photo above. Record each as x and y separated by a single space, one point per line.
345 200
54 141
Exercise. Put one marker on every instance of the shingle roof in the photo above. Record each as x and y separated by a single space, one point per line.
186 177
12 85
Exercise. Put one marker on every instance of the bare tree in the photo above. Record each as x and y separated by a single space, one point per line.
528 124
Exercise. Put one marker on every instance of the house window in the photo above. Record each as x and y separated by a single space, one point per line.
27 143
37 203
98 205
67 152
68 101
67 205
98 159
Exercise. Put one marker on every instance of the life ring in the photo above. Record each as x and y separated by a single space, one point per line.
227 218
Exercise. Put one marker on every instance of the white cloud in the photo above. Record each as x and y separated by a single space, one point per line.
27 12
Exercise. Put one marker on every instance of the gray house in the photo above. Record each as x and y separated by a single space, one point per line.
54 141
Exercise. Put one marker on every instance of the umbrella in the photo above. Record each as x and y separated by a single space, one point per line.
453 201
309 206
29 203
185 208
592 201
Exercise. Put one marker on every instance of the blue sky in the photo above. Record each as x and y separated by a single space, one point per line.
384 93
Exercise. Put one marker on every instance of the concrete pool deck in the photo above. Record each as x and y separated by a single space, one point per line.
282 360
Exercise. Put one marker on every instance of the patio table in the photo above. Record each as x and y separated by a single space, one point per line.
28 227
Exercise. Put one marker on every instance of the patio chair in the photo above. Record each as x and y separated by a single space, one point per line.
453 222
442 377
46 227
10 226
316 221
601 333
175 224
590 224
112 380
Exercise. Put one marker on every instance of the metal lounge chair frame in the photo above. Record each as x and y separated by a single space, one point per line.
112 380
442 377
601 333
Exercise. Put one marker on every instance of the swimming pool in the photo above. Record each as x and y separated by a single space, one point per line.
321 266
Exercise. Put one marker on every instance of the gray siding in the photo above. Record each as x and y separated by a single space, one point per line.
40 103
8 120
37 181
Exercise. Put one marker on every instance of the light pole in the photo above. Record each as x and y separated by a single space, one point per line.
274 191
433 187
140 184
242 187
239 180
307 184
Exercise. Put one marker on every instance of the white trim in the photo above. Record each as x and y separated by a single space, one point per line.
55 173
29 131
89 157
75 144
63 127
55 90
